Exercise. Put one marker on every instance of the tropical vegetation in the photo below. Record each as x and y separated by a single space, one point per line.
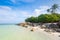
46 18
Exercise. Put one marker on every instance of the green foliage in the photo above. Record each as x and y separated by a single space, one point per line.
32 19
48 18
44 18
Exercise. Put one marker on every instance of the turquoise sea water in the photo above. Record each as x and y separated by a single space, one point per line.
14 32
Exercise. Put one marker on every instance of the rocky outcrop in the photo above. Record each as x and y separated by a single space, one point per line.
58 24
53 26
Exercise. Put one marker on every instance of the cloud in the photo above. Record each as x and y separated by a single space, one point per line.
7 14
5 7
28 0
18 1
40 10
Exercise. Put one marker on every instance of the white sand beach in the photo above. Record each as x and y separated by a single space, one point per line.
53 36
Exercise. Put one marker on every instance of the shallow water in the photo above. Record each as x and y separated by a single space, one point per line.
14 32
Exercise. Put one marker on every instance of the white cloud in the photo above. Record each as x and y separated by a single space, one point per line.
40 10
18 1
28 0
5 7
7 14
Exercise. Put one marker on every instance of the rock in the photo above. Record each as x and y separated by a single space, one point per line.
31 30
58 24
53 26
59 35
57 30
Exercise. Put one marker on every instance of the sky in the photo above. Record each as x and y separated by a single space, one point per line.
16 11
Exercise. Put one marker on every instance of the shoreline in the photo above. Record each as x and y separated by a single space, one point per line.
53 36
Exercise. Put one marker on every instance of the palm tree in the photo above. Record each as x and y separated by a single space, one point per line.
53 8
48 10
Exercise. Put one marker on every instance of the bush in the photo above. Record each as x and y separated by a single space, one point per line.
44 18
32 20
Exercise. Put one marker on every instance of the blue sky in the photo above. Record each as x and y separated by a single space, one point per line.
15 11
